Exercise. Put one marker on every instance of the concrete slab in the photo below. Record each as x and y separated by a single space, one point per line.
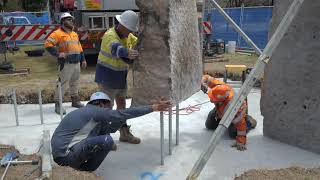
143 161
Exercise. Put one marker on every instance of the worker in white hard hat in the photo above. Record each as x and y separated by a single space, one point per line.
65 45
82 139
116 54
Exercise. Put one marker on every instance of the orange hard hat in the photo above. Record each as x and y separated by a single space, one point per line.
205 78
219 93
214 82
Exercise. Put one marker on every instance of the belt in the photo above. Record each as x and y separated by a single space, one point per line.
68 61
71 62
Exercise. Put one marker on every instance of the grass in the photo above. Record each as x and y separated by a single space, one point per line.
218 67
42 68
43 74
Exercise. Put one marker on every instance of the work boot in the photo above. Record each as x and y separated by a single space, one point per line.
252 122
76 102
126 136
57 108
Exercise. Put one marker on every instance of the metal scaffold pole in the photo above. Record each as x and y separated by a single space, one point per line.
161 138
40 106
245 89
170 131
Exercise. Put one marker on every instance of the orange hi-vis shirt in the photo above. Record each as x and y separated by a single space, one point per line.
239 120
66 42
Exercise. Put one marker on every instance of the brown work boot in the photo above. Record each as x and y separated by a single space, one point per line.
126 136
57 108
76 102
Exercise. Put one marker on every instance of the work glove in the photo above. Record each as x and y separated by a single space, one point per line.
204 89
239 146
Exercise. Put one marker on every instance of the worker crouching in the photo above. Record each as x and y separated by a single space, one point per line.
82 139
221 96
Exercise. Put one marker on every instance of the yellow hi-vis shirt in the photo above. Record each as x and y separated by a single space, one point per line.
111 70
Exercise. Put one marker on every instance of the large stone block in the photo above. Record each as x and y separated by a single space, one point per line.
290 100
169 64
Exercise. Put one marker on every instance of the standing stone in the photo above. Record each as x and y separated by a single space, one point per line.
169 63
290 100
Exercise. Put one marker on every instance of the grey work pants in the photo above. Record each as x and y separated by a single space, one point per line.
68 74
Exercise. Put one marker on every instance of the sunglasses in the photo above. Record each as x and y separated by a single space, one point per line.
68 19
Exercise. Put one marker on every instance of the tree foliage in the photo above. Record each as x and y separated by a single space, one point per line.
34 5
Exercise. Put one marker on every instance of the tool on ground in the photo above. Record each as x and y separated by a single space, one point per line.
33 162
256 72
8 157
6 160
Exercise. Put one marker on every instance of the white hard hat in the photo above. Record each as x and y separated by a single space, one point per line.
129 19
65 15
99 96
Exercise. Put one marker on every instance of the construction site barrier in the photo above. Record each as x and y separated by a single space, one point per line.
254 21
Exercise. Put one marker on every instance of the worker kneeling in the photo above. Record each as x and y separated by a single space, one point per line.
82 140
221 96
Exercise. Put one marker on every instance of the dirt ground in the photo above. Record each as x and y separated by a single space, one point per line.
292 173
28 171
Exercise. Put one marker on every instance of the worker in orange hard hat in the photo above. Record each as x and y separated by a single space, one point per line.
209 82
221 95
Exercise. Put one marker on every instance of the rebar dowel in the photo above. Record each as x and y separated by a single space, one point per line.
177 124
14 98
170 131
60 99
161 137
40 106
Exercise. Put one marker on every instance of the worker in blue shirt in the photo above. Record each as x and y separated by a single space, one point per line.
82 139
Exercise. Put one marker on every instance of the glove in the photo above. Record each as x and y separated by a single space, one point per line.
239 146
204 89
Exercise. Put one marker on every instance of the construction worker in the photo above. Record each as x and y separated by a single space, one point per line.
115 56
221 96
65 45
209 82
82 139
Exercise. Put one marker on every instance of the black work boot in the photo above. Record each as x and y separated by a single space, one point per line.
76 102
57 108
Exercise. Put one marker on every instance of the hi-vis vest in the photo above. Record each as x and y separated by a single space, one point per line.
105 57
65 42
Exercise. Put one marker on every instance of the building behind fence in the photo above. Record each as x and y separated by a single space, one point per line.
254 21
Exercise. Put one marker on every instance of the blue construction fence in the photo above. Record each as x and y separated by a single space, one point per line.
254 21
33 17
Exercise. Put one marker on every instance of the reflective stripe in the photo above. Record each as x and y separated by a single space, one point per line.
51 40
106 54
118 49
238 118
241 133
65 43
219 96
112 67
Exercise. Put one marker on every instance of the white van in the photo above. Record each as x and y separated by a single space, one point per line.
16 20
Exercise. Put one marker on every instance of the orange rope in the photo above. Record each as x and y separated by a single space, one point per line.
188 110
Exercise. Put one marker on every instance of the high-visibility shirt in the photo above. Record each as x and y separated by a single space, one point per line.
65 42
112 67
239 120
